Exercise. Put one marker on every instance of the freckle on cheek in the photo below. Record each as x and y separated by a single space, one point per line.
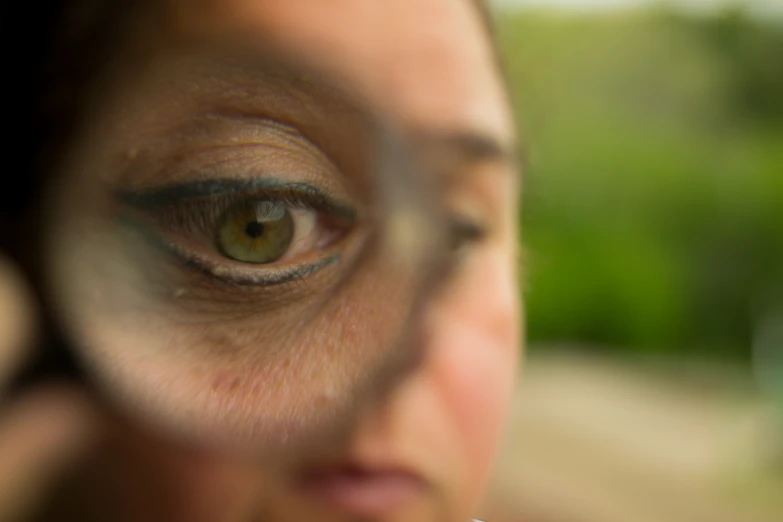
225 383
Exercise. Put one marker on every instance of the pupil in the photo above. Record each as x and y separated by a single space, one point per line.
254 229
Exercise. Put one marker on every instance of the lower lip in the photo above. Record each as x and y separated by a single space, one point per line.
368 493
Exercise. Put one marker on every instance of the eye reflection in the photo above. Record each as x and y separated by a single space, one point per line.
262 232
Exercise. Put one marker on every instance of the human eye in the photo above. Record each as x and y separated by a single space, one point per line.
465 231
261 232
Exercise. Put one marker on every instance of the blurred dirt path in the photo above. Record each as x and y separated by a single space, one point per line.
594 441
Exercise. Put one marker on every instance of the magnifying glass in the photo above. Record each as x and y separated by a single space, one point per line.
238 245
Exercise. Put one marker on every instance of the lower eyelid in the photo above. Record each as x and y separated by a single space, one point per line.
237 273
261 277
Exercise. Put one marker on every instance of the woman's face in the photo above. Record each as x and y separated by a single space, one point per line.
220 265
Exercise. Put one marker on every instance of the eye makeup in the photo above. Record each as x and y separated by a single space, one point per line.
156 199
183 220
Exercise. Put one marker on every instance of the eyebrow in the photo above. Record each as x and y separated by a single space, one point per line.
465 147
473 146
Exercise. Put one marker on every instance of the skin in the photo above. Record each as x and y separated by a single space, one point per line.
217 397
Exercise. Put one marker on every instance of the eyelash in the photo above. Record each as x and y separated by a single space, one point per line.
203 215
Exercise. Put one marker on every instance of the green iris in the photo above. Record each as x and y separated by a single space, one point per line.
255 231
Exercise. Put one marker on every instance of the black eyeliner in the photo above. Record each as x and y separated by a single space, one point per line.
156 199
288 275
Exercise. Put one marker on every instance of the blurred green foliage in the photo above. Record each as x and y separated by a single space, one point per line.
653 209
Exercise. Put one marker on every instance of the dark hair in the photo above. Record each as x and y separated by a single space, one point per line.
59 46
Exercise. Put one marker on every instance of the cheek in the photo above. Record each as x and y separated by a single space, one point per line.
475 352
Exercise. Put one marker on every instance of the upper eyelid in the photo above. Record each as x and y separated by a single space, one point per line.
198 145
214 146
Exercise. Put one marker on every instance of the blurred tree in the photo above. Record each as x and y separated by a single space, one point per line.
654 192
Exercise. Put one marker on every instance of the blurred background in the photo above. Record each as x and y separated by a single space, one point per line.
653 224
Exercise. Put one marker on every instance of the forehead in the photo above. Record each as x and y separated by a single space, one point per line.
427 63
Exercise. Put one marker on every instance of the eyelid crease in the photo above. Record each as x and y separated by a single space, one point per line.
290 275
